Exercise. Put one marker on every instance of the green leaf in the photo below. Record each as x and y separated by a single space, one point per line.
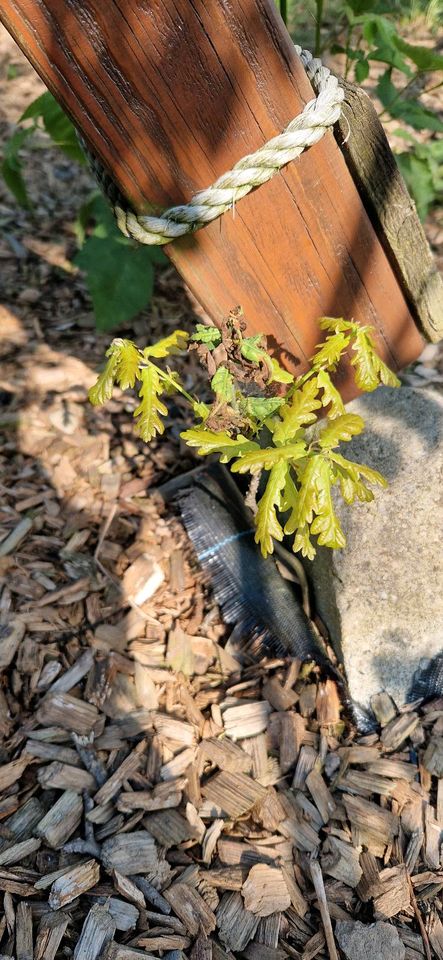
265 459
12 166
102 390
361 70
278 373
208 441
175 343
222 384
330 351
425 58
128 364
302 543
423 176
201 409
119 278
407 109
330 395
209 335
345 427
266 520
251 349
336 324
370 369
298 411
56 124
260 408
151 408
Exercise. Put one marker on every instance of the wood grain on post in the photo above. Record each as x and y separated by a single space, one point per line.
170 96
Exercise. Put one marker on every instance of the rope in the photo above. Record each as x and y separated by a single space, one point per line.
308 128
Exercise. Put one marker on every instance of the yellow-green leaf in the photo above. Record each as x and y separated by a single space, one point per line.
329 352
208 441
370 369
102 390
303 503
260 459
330 395
337 324
175 343
299 411
326 525
302 543
345 427
278 373
151 408
266 520
357 470
128 363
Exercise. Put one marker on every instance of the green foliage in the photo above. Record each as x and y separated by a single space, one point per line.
274 438
119 274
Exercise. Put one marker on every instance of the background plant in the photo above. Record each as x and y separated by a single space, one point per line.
119 273
262 421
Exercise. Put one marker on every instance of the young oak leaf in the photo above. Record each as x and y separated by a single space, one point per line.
209 335
128 363
369 367
303 544
297 412
303 502
337 324
260 408
330 351
345 427
330 395
222 384
265 459
267 523
151 408
175 343
102 390
208 441
357 470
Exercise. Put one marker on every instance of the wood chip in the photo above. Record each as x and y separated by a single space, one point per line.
265 891
130 853
234 793
191 908
73 884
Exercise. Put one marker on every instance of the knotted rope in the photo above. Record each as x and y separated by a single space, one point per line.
308 128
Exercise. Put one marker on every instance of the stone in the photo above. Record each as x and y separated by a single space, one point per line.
358 941
381 597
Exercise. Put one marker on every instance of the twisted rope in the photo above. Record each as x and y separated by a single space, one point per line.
308 128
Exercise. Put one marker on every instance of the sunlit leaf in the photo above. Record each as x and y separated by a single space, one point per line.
330 395
305 503
102 390
260 408
251 349
278 373
298 411
128 363
151 408
344 427
265 459
357 470
208 441
175 343
330 351
303 544
267 523
370 369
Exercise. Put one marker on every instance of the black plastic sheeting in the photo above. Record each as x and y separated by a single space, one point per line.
250 591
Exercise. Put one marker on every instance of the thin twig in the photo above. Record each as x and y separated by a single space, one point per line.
317 879
419 919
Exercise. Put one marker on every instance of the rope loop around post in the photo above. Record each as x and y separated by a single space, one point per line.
318 116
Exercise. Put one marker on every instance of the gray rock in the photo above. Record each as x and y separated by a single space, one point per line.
377 941
382 596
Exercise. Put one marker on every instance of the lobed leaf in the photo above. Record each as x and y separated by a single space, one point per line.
150 409
128 364
298 411
260 459
344 427
330 351
266 520
173 344
222 384
370 369
209 335
331 395
208 441
102 390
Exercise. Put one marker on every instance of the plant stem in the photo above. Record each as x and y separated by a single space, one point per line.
400 93
169 380
318 26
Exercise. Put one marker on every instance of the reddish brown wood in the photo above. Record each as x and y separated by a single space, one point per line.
170 95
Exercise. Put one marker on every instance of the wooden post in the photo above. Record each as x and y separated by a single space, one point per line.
170 96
